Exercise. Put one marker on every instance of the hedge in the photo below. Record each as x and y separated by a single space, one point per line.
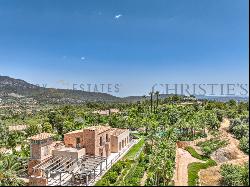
134 150
194 168
117 170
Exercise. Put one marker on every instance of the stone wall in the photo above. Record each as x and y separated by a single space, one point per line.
74 153
89 141
41 151
103 148
114 144
184 144
37 181
119 141
31 164
70 139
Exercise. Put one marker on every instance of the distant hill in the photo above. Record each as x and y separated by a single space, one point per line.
223 98
16 88
140 98
10 86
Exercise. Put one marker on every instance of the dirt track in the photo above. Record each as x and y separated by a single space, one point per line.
181 172
230 154
211 176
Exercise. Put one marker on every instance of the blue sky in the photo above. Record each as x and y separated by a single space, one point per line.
132 43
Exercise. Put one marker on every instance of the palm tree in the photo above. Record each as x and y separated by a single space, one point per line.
10 163
9 168
157 99
151 101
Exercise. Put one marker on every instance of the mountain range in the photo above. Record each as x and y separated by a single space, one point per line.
10 87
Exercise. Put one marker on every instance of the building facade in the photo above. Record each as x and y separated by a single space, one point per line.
98 141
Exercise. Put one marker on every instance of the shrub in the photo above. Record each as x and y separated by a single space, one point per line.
134 150
118 167
208 147
103 182
112 176
244 144
240 130
235 175
134 177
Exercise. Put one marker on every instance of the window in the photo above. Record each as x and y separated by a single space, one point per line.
78 142
120 146
107 137
100 141
45 151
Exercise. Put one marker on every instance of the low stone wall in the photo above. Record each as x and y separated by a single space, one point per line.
183 144
37 181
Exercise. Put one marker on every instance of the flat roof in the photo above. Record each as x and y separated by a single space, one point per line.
73 132
41 136
106 112
117 132
99 128
68 149
17 127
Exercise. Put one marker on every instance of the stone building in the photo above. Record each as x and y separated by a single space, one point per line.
96 141
119 139
107 112
40 150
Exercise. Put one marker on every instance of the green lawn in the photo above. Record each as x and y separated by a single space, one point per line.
194 168
134 150
194 154
114 177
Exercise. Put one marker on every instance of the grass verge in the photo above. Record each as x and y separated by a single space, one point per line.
194 154
117 172
194 168
134 150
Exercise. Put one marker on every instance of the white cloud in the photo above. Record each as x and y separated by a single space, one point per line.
118 16
82 58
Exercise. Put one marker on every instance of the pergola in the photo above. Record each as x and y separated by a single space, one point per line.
69 171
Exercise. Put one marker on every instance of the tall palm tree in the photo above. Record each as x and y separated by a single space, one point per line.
151 101
157 99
